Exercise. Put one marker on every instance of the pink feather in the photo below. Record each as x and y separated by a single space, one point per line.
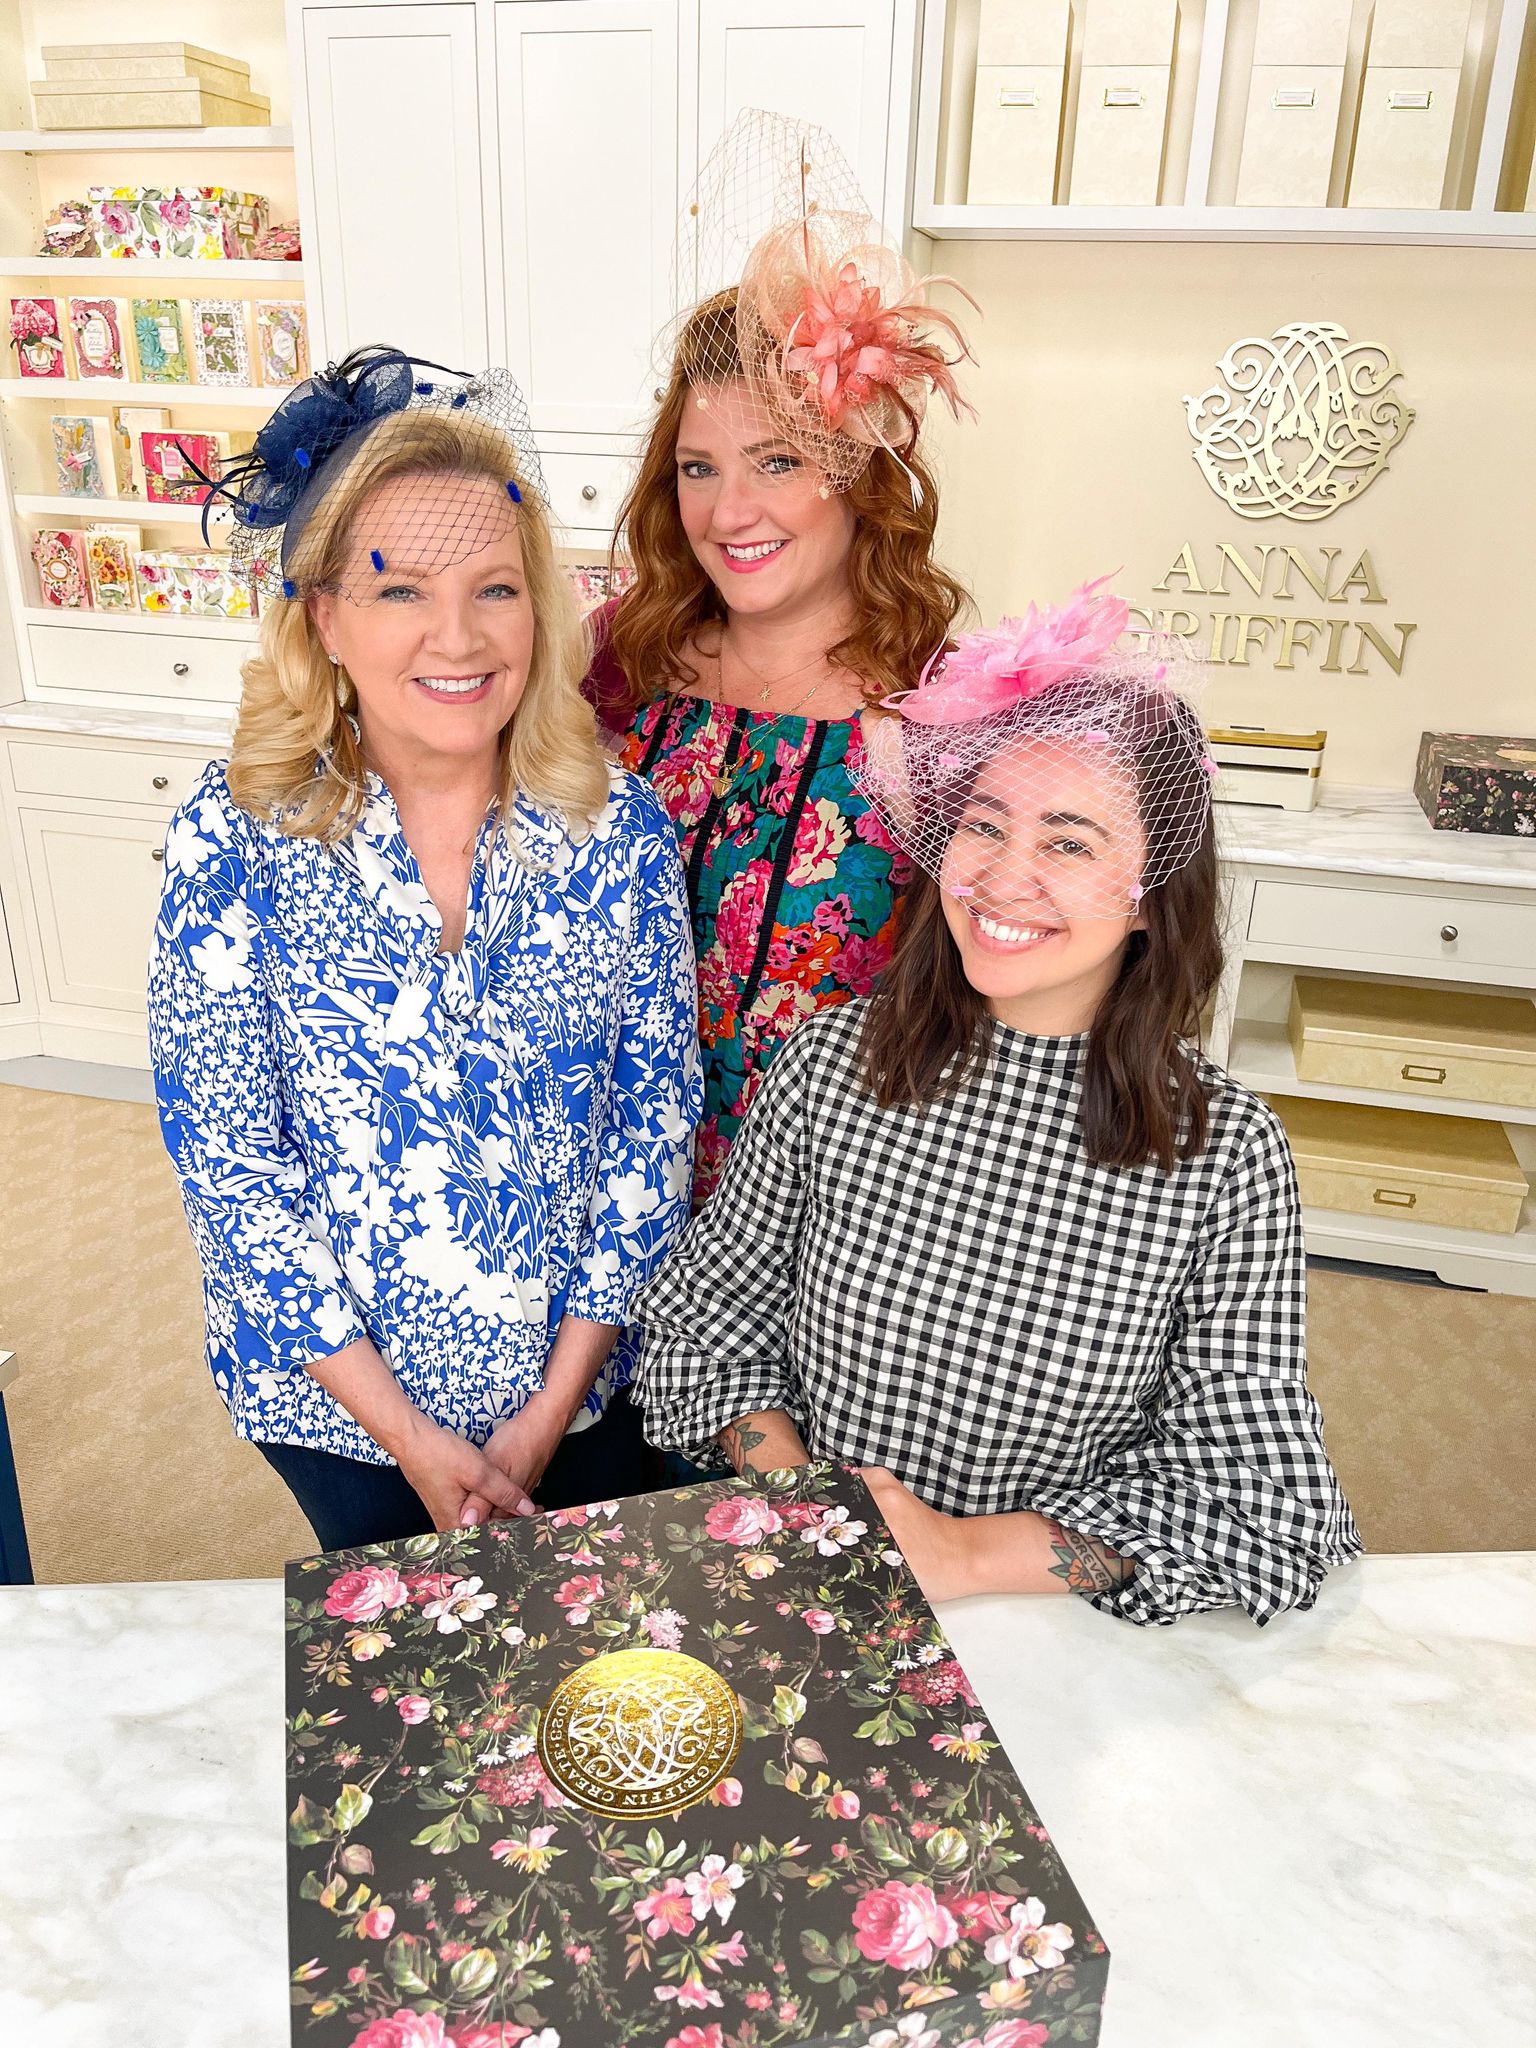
989 672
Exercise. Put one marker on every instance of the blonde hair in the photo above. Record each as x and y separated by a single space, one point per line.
296 760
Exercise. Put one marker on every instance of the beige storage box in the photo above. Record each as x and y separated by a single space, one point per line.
1015 135
1294 94
1408 103
1122 103
1021 70
111 62
1022 32
144 103
1415 1041
1258 766
1455 1171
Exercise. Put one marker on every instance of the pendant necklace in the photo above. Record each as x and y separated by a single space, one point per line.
725 780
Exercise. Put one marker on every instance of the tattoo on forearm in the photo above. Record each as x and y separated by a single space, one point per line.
739 1440
1083 1563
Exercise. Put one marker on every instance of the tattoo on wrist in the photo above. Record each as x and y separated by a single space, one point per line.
1083 1563
738 1440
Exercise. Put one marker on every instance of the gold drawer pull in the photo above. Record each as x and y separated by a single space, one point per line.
1410 102
1413 1073
1124 96
1018 96
1294 96
1394 1198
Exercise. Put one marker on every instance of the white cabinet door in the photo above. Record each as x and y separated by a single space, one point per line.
9 991
95 884
391 99
587 150
827 61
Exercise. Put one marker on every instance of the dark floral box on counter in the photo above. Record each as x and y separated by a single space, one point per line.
697 1769
1476 782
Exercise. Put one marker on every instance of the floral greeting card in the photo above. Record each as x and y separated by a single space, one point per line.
109 554
692 1770
169 475
219 345
282 341
36 338
61 578
77 455
161 345
100 348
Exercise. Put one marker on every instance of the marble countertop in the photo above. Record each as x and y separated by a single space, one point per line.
1370 832
1317 1833
204 728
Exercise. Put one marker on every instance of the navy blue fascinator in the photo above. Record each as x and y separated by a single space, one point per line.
324 426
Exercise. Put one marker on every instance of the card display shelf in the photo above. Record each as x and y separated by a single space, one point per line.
114 511
1189 217
110 391
81 141
233 270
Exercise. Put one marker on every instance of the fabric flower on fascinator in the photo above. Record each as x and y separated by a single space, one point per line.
860 344
986 673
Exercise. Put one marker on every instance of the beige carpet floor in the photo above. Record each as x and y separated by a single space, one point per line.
129 1470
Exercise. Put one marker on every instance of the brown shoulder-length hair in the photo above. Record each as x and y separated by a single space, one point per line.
927 1031
904 604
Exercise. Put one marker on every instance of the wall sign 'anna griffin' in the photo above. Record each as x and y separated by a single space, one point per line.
1301 424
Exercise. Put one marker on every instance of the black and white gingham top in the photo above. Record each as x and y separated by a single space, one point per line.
958 1294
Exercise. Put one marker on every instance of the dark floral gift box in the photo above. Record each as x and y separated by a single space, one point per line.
1477 782
692 1770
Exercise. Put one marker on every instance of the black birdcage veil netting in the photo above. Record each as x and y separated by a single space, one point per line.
455 458
807 327
1074 801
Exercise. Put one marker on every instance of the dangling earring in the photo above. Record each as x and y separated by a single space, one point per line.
343 682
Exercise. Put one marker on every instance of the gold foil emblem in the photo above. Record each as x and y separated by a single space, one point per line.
1301 423
639 1733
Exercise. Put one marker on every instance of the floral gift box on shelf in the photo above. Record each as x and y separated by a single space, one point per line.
692 1770
207 222
1475 782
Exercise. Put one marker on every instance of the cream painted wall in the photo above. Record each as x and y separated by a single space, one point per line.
1081 462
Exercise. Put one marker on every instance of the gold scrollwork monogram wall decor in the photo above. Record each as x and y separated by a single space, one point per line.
637 1733
1300 424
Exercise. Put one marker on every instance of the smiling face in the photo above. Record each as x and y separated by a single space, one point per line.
1039 882
438 652
767 532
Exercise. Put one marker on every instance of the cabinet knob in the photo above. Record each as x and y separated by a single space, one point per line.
659 393
1448 932
179 668
160 782
589 492
157 853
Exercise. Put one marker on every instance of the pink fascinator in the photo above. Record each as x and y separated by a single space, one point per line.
831 339
1046 769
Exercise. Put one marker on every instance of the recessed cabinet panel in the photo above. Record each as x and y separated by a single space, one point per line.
95 888
829 63
587 143
393 107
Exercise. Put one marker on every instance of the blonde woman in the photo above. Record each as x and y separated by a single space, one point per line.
422 994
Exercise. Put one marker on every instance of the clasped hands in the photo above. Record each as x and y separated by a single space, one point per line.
462 1486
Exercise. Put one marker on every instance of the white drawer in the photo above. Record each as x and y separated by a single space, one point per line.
586 491
1374 925
151 663
127 775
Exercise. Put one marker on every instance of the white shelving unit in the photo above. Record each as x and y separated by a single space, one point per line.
107 391
126 511
1189 214
126 268
91 141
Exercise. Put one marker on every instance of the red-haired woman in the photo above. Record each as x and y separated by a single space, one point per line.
781 527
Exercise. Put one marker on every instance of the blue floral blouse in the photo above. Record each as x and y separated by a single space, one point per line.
448 1152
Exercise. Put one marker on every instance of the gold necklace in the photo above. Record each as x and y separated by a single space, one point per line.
765 683
725 781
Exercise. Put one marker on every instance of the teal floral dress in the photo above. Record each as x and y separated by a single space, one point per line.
793 882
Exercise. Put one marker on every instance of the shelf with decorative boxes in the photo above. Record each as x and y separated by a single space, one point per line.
1364 894
1173 119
